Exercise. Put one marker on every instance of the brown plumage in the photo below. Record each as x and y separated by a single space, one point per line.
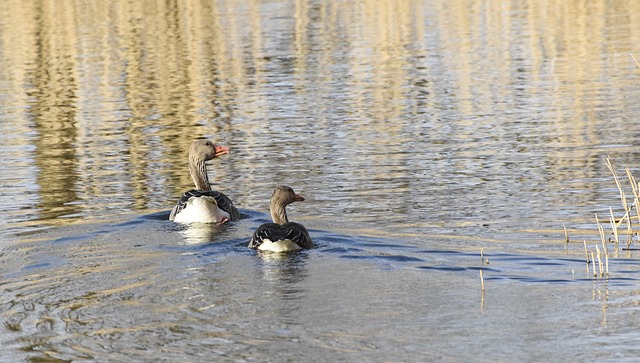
203 204
281 235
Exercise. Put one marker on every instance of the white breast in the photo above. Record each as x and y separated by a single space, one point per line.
286 245
201 210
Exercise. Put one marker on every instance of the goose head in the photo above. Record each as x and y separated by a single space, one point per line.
282 196
205 150
200 152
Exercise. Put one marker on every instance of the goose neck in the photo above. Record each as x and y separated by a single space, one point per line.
278 213
198 171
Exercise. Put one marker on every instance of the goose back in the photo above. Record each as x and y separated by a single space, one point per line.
291 236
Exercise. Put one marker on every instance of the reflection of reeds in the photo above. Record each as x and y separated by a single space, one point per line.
483 261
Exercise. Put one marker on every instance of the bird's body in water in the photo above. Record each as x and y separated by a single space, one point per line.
281 235
203 205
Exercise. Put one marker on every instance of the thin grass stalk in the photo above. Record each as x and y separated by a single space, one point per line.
627 216
586 255
623 200
626 208
600 269
635 188
636 192
606 257
614 227
600 229
634 59
594 265
607 162
566 239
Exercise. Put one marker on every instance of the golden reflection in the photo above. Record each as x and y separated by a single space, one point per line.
117 90
54 108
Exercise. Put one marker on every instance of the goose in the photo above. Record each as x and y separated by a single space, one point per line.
202 204
281 235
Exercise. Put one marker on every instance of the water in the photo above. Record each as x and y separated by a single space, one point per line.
422 135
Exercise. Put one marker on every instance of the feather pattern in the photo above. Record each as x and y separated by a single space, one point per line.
214 206
281 235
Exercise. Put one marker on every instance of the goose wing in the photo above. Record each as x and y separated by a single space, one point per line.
225 204
298 234
273 232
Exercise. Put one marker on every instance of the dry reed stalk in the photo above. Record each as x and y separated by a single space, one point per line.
614 227
600 269
606 257
609 165
634 59
586 255
623 198
594 265
482 281
600 229
566 239
636 192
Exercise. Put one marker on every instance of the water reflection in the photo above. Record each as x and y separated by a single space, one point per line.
386 98
283 277
441 123
53 110
199 233
287 268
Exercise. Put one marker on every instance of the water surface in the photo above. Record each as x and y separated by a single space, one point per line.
421 135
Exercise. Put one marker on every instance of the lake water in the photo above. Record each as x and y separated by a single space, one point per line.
431 140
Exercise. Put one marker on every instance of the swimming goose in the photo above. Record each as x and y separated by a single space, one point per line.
202 204
281 235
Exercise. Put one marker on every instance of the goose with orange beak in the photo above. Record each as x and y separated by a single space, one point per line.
281 235
203 205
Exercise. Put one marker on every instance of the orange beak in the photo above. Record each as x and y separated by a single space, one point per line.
221 150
